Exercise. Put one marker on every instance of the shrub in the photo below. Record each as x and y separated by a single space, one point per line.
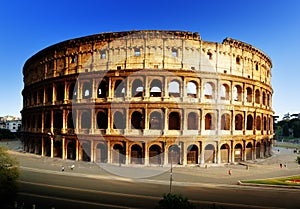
174 201
298 159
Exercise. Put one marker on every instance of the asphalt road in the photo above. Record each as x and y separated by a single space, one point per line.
46 190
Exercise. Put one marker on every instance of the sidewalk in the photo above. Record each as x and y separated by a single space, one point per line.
263 168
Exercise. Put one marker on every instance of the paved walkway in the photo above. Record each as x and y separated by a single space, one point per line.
262 168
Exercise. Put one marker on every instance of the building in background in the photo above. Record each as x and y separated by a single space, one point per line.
11 123
148 97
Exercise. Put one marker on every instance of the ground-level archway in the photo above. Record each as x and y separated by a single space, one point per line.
192 154
155 154
136 156
174 154
224 153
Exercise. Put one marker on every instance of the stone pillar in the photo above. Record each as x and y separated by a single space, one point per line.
218 153
92 151
52 147
127 153
65 93
232 152
63 148
184 153
77 150
43 147
53 94
166 117
145 147
244 155
108 152
202 152
109 121
166 154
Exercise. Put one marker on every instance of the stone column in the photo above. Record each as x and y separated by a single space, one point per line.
232 152
166 117
146 151
108 152
218 153
127 153
63 148
92 151
184 153
77 150
202 152
52 147
43 147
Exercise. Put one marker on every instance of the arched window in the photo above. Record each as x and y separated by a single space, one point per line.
47 119
155 121
258 123
86 120
72 93
119 89
49 91
192 121
174 121
174 89
249 122
60 92
264 98
70 123
137 88
225 122
102 89
192 89
58 120
155 88
209 122
238 122
86 91
102 120
119 120
249 94
209 90
257 96
137 120
265 123
237 93
224 94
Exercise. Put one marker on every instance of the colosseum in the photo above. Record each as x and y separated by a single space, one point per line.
148 97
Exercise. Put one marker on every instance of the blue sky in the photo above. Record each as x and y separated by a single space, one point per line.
270 25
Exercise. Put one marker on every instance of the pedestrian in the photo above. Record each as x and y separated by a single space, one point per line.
72 167
229 172
62 168
280 165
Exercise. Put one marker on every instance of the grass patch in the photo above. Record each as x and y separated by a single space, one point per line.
287 145
276 181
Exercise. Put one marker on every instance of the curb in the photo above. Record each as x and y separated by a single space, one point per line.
268 185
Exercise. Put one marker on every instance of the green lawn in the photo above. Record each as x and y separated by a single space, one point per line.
276 181
287 145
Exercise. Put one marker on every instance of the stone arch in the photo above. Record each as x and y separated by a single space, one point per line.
174 121
155 88
192 89
155 154
225 153
119 120
238 122
249 122
209 89
136 154
118 153
209 122
71 150
258 123
257 96
102 89
137 120
237 93
192 121
119 88
137 88
156 120
58 120
72 91
70 122
209 153
249 151
264 98
265 123
174 154
238 152
57 148
249 94
225 121
86 90
86 151
174 88
224 93
60 92
101 152
102 120
86 120
257 148
192 154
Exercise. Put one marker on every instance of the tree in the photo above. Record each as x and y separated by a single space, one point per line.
174 201
296 128
286 116
9 173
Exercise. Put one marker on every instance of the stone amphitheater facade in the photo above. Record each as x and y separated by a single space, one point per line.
148 97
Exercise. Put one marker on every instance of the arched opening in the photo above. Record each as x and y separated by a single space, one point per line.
137 120
119 90
209 90
102 89
102 120
70 123
58 121
257 96
174 154
224 94
192 121
86 152
224 152
119 120
71 150
209 154
137 88
118 154
60 92
249 94
265 123
101 153
209 122
192 89
238 154
174 89
86 90
57 148
258 123
249 151
72 93
249 122
47 118
47 146
225 122
49 95
154 154
237 93
192 154
136 156
155 88
86 120
174 121
264 98
155 121
257 148
238 122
